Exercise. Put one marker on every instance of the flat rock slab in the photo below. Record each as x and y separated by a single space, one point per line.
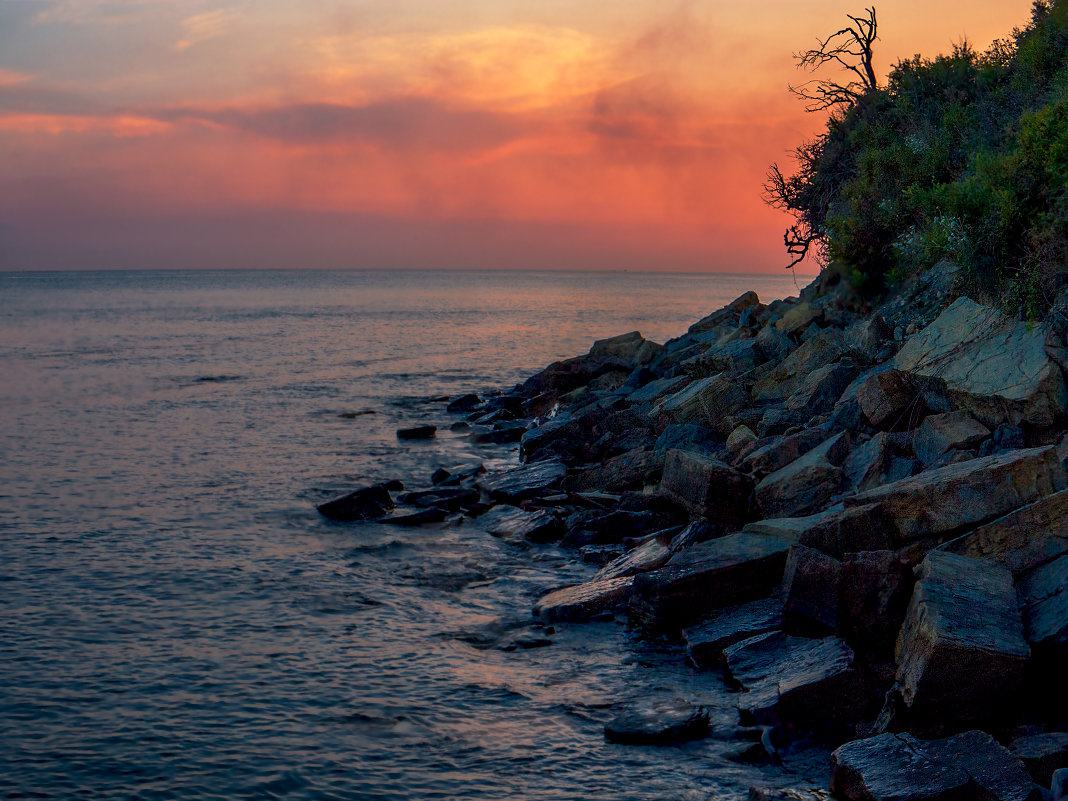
899 767
835 531
646 557
707 640
967 493
510 523
707 487
525 482
1021 540
584 601
658 723
797 680
962 621
1042 754
726 571
655 390
987 363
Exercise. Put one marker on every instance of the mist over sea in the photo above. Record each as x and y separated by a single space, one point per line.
178 622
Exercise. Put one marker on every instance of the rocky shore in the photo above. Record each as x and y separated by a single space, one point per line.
858 513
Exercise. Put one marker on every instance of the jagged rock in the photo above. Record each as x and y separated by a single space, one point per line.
899 767
1042 754
810 591
418 432
363 504
865 466
967 493
706 401
600 555
1021 540
826 348
707 640
1058 786
628 471
727 313
686 437
783 450
873 594
774 344
835 531
820 389
510 523
525 482
889 400
807 484
1017 381
866 338
584 601
944 638
940 433
707 487
1043 595
655 390
797 680
900 468
740 438
778 421
658 722
464 404
642 559
797 319
624 347
736 357
695 532
726 571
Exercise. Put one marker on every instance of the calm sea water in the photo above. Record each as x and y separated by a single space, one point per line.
176 620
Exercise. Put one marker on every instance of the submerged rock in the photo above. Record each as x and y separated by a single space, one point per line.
418 432
510 523
658 723
363 504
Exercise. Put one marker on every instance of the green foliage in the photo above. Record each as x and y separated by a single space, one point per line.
961 157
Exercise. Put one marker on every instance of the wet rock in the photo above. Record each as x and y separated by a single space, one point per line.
1043 594
1018 382
464 404
595 527
502 433
1042 754
460 425
797 680
867 337
363 504
788 794
584 601
440 476
525 482
628 471
451 500
945 637
873 594
600 555
835 531
967 493
707 487
642 559
782 450
658 723
810 591
418 432
1021 540
820 389
899 767
940 433
726 571
705 401
508 522
707 640
807 484
890 401
420 518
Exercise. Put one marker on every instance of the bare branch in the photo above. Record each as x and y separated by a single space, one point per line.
851 48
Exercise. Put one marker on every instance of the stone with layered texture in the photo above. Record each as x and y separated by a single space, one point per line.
889 400
706 641
975 358
584 601
967 493
647 556
807 484
726 314
1042 754
873 594
825 348
707 401
525 482
835 531
810 591
940 433
946 636
1043 594
707 487
820 389
711 575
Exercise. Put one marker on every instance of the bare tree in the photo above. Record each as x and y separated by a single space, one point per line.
850 48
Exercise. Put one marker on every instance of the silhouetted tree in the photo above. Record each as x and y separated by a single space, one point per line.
851 49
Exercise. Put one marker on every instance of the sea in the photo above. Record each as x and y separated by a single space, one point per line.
178 622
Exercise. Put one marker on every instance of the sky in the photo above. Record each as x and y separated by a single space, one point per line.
387 134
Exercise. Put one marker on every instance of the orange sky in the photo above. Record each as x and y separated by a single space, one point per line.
415 133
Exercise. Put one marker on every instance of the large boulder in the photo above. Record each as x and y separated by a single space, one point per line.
825 348
975 358
1042 754
962 621
707 487
900 767
1021 540
835 531
706 401
820 389
647 556
721 572
873 593
966 493
941 433
890 400
866 338
806 485
706 641
658 722
728 313
510 523
782 450
866 465
627 471
810 591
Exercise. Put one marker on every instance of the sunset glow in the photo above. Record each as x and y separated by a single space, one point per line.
189 133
